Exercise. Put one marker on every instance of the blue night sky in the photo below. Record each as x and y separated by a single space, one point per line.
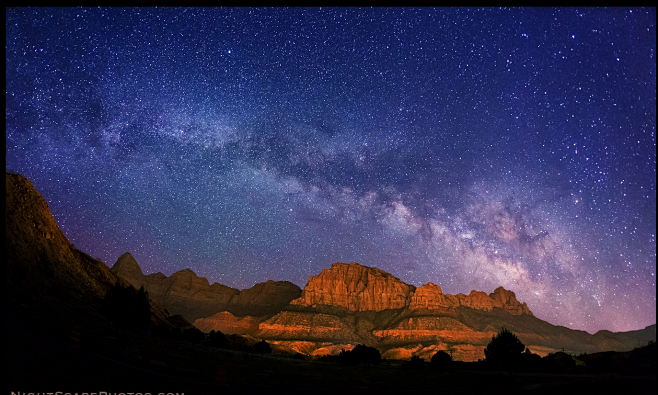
471 148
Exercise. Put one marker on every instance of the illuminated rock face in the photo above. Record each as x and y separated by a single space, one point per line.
289 325
361 288
350 286
356 288
350 304
507 301
227 323
430 297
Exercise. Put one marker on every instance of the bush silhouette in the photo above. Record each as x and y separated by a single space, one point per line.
442 360
504 349
360 354
529 360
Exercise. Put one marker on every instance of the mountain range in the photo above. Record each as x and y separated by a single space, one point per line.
344 305
349 304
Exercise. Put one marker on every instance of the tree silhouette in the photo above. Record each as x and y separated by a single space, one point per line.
217 339
442 360
360 354
127 307
504 349
529 360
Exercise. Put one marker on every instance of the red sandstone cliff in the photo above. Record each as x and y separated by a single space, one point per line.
356 288
361 288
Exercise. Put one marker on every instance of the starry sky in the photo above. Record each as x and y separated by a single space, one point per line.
471 148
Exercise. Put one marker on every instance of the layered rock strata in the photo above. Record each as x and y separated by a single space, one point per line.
356 288
349 304
430 297
227 323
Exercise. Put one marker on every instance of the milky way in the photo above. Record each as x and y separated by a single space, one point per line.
471 148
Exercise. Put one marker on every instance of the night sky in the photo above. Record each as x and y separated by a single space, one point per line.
471 148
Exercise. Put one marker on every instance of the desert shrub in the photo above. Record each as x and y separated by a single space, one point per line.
361 354
504 350
442 360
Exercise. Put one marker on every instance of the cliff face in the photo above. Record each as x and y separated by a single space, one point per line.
193 297
349 304
356 288
429 297
307 326
506 300
266 297
227 323
361 288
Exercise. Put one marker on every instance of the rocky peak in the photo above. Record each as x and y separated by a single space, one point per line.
193 296
355 287
361 288
507 301
429 297
128 268
477 300
436 288
264 298
126 262
270 293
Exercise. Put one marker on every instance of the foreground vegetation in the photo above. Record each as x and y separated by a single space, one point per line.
64 348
